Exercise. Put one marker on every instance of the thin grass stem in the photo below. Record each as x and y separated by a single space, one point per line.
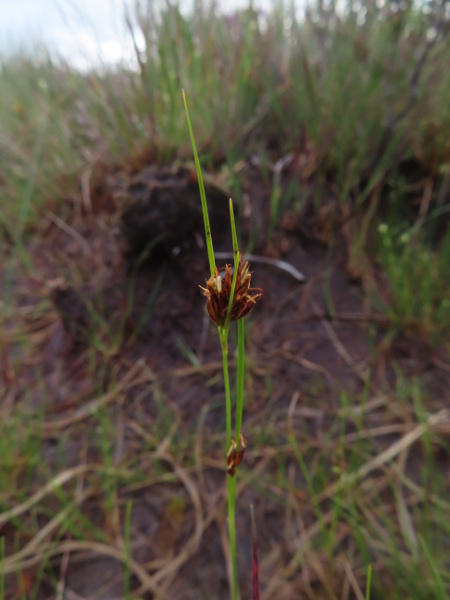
231 487
240 381
369 581
234 237
236 264
223 334
201 185
439 586
231 481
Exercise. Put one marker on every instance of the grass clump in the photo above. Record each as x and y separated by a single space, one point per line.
419 294
320 79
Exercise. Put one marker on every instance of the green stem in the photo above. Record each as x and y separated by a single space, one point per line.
231 485
240 381
369 581
223 334
236 264
208 236
234 236
231 481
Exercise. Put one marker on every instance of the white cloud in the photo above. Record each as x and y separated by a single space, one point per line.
82 31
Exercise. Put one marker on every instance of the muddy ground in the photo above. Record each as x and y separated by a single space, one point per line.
116 336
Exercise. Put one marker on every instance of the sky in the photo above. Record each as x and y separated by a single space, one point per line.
80 30
84 32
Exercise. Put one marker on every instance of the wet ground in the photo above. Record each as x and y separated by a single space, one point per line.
115 336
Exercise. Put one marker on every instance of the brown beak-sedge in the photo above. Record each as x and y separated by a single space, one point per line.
235 456
218 290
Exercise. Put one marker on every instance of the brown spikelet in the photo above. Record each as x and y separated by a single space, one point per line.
218 289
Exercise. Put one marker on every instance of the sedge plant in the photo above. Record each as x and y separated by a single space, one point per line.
230 298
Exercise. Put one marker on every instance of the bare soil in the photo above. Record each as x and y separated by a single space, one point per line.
107 343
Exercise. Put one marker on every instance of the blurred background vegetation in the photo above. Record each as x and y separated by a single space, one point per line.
344 108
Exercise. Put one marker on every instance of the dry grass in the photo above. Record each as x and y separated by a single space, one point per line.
111 443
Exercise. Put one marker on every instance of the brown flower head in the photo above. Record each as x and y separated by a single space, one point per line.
235 455
218 290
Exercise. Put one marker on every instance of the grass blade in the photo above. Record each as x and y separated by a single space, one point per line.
208 236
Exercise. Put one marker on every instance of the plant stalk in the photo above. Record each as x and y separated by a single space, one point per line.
231 487
223 334
240 381
231 480
201 185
